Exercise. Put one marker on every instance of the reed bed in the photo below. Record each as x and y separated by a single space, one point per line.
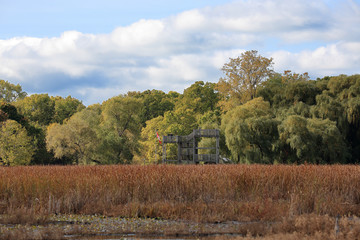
203 193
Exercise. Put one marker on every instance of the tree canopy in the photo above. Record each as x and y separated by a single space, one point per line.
250 131
264 117
10 92
243 76
15 145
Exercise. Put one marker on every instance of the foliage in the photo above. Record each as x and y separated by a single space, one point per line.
75 139
182 121
3 116
34 130
340 101
39 111
10 92
327 107
42 109
155 103
197 101
243 76
272 90
264 117
290 77
9 111
104 134
301 91
284 90
212 120
64 108
38 108
151 148
15 145
250 131
200 97
311 140
121 126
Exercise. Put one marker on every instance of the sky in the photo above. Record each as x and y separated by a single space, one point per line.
94 50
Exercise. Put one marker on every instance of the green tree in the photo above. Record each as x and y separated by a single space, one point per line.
16 146
64 108
121 127
311 140
41 155
200 97
11 112
272 90
328 107
243 75
101 134
35 131
38 108
38 112
301 91
155 103
151 149
10 92
340 101
250 131
182 121
76 139
212 120
284 90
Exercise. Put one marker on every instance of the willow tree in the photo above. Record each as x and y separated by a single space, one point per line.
311 140
120 128
250 132
76 139
243 75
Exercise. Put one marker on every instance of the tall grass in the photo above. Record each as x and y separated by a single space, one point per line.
200 193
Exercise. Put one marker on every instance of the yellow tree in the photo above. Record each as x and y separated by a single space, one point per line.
75 140
182 121
16 146
151 148
243 75
10 92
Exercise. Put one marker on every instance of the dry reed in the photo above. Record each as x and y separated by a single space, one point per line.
204 193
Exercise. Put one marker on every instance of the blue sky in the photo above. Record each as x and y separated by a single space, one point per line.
94 50
50 18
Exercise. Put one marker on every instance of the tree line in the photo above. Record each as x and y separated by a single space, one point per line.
263 116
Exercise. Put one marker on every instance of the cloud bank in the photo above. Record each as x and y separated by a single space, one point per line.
319 37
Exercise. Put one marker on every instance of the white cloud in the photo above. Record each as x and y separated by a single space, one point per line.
172 53
332 59
190 21
140 34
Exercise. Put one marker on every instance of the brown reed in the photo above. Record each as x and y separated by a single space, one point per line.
205 193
